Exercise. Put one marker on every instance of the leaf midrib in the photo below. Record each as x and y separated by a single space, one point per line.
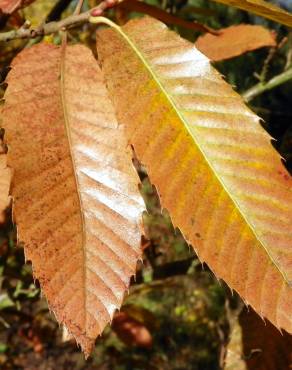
73 162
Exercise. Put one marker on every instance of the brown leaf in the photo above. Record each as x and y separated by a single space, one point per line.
258 345
213 164
262 8
131 331
10 6
76 199
235 40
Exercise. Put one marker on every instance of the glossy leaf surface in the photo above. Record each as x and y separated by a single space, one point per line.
213 164
76 199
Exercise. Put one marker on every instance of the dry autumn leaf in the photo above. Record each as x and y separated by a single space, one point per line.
76 199
235 40
257 345
262 8
213 164
10 6
274 348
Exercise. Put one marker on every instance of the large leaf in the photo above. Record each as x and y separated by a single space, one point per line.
9 6
262 8
211 161
76 198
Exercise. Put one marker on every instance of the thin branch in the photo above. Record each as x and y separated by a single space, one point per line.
53 27
171 269
263 87
78 7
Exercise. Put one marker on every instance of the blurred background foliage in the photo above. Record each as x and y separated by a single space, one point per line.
177 315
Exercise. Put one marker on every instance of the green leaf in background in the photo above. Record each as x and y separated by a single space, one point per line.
5 301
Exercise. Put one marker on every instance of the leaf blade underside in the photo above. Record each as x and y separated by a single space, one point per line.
212 163
76 201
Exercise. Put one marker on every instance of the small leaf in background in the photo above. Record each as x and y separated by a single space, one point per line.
76 199
10 6
5 301
262 8
211 161
235 40
256 345
131 331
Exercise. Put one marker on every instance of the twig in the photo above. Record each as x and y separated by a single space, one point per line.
171 269
78 7
289 54
52 27
271 55
263 87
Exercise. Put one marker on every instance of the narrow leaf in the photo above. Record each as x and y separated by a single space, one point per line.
262 8
76 198
235 40
162 15
211 161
